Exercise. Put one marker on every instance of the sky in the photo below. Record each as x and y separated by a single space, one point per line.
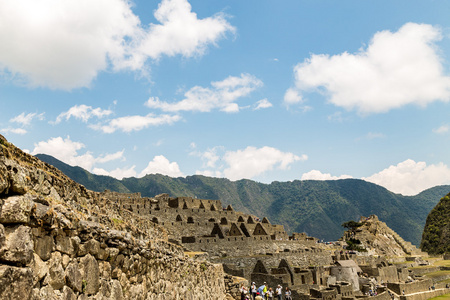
262 90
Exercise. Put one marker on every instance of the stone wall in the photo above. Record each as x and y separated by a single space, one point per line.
297 260
410 287
61 241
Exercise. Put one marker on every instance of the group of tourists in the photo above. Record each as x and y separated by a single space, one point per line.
264 292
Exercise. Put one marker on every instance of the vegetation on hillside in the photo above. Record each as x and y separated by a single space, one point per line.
436 234
315 207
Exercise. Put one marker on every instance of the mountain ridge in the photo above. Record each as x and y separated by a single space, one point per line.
316 207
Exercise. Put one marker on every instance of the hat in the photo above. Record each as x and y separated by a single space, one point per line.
253 283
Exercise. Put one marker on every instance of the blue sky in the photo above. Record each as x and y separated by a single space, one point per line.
264 90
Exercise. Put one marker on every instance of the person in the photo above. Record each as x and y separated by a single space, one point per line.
287 294
253 290
278 292
244 292
261 289
258 296
270 294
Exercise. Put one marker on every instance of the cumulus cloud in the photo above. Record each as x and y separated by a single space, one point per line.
247 163
410 177
253 161
161 165
65 44
82 112
292 96
179 32
25 119
263 103
136 123
396 69
66 150
221 95
317 175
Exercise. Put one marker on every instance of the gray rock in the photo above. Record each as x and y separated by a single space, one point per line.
56 271
39 268
4 182
91 274
68 294
16 210
64 244
17 177
116 290
15 283
18 246
73 277
44 246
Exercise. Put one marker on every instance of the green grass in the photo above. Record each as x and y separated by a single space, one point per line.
442 263
437 274
443 297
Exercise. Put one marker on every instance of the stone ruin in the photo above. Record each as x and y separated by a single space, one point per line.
61 241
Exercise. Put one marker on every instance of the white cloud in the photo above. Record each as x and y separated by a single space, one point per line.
441 130
25 120
263 103
179 32
396 69
253 161
83 112
66 150
317 175
209 157
136 123
62 44
118 173
100 171
292 96
20 131
410 177
161 165
222 95
65 44
111 157
209 173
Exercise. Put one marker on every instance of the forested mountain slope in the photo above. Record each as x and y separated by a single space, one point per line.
316 207
436 234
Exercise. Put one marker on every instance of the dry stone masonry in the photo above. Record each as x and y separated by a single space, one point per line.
61 241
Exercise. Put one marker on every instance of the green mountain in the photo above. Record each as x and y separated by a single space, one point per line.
316 207
436 234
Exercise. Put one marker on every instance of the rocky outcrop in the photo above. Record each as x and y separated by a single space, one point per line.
378 239
61 241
